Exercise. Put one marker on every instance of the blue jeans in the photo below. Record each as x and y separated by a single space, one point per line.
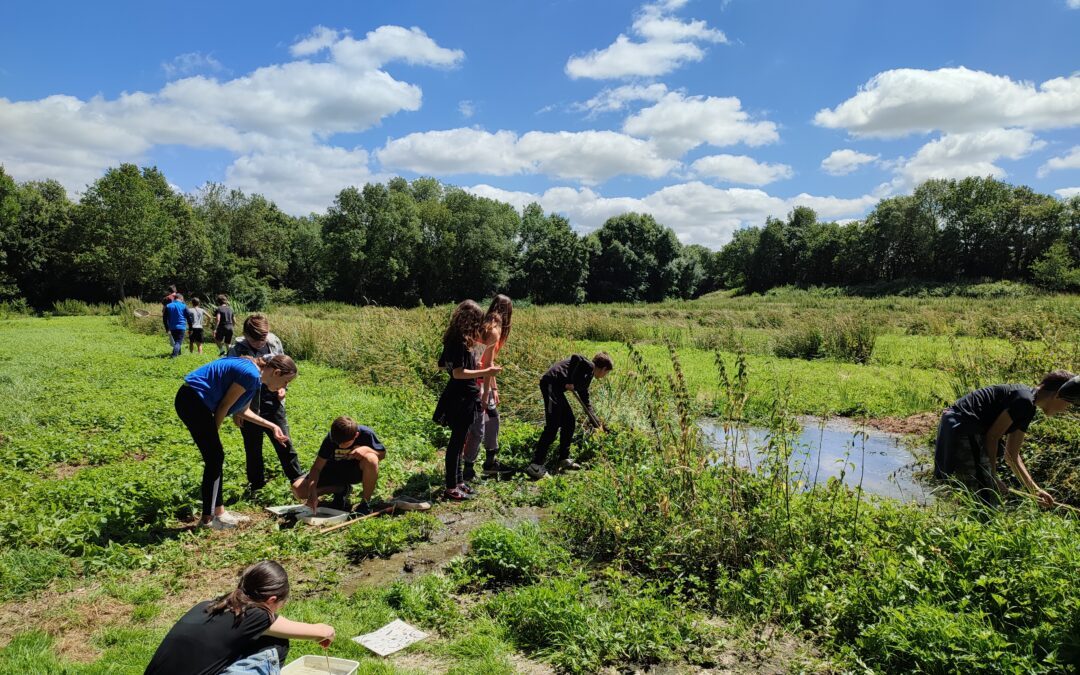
264 663
177 342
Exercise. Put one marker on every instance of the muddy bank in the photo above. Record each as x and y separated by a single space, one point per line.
448 542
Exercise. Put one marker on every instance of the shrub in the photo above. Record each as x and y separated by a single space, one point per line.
501 555
386 536
428 601
850 339
801 342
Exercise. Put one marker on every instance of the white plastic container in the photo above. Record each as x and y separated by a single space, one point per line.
311 664
324 516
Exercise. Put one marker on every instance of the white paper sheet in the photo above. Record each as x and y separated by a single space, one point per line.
392 637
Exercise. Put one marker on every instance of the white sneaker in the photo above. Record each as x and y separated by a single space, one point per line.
218 524
233 518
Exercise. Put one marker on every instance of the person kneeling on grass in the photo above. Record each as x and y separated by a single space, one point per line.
349 454
572 374
988 423
239 633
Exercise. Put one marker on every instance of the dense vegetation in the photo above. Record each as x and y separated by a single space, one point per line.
402 244
98 482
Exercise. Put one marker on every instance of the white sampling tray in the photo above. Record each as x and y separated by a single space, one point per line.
324 516
311 664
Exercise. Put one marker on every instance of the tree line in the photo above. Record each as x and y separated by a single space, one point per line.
404 243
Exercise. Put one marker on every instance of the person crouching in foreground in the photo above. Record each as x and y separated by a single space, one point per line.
349 454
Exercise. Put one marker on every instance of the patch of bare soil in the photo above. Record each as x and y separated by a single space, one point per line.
72 618
446 543
919 424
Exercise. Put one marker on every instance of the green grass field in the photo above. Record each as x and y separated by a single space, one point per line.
99 481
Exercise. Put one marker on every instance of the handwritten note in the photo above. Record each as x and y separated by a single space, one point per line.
392 637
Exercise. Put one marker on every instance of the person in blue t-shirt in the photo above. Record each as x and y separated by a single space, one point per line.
175 315
221 389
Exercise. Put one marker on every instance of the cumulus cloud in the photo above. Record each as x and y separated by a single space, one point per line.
698 213
740 169
611 100
1069 161
291 107
666 44
1066 193
899 102
302 180
191 62
588 156
843 162
678 123
965 154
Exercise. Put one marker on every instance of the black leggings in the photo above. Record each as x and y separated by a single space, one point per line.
200 423
272 409
558 419
454 450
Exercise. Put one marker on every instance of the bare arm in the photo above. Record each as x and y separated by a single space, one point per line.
248 416
295 630
309 488
470 374
1016 463
230 398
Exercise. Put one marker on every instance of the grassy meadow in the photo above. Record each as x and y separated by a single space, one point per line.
660 553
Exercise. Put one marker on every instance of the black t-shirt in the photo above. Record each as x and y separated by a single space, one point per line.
201 644
333 454
459 356
576 370
224 317
982 407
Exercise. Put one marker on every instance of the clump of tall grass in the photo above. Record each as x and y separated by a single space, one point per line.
80 308
841 338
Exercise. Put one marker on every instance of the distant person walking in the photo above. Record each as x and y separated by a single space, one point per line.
220 389
989 424
176 323
223 318
258 342
196 315
460 400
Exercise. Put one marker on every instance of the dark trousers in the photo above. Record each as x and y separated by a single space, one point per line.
454 451
959 453
272 409
558 419
177 342
199 421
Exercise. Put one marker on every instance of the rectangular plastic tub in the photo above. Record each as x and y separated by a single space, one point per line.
311 664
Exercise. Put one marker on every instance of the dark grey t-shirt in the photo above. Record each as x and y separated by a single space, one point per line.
981 408
201 644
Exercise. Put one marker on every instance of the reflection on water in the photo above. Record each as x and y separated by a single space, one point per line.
881 460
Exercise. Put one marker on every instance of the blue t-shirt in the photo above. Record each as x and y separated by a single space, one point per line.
214 379
175 315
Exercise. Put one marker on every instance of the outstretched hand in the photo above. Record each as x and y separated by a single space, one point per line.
279 435
1046 500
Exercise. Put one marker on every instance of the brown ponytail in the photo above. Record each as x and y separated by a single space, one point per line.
281 363
258 583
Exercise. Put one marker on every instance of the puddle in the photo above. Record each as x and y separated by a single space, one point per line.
882 461
447 543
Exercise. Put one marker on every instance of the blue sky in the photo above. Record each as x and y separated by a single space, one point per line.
710 115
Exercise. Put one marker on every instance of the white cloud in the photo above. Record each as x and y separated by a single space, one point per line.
904 101
965 154
304 180
740 169
843 162
588 156
192 62
466 108
610 100
1066 193
667 43
678 123
290 107
698 213
1073 4
1069 161
319 39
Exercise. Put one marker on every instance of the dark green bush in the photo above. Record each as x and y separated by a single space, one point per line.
501 555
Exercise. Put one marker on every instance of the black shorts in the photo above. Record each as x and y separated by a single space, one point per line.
339 473
224 335
196 335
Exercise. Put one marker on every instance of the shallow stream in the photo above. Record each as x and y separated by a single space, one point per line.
824 448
